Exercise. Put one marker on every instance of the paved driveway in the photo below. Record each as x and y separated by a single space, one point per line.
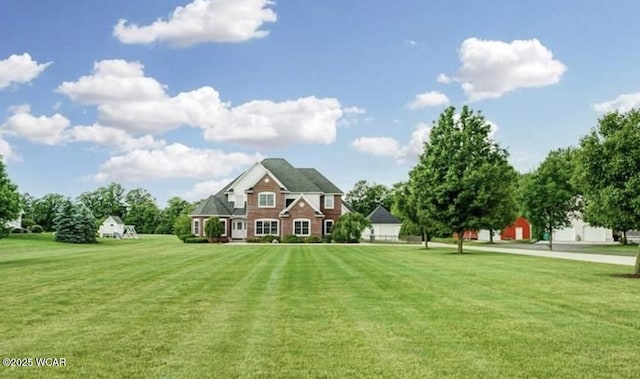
611 259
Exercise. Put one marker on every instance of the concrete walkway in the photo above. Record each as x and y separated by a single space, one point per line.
598 258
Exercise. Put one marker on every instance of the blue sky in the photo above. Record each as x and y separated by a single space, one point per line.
179 96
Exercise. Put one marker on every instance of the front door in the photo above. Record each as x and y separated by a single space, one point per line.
519 233
239 229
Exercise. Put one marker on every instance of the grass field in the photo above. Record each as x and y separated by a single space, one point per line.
159 308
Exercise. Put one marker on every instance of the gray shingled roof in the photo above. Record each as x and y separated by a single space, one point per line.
291 177
215 205
382 216
299 179
118 220
320 180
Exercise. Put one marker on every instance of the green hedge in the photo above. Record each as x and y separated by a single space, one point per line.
196 240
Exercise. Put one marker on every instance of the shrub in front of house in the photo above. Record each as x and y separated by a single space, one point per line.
326 238
313 239
183 237
292 238
196 240
254 239
36 229
269 239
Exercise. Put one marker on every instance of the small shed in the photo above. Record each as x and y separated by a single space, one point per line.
112 227
384 226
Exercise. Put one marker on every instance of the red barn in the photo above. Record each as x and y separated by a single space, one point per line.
520 230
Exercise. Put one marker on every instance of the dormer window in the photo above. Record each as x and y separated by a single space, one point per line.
266 200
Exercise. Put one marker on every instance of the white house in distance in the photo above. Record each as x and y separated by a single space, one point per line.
384 226
15 224
582 231
111 227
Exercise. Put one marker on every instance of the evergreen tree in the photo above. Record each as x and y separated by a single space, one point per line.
74 223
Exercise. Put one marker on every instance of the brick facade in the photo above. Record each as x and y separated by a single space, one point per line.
265 184
301 209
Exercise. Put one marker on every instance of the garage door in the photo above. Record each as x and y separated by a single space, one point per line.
593 234
567 234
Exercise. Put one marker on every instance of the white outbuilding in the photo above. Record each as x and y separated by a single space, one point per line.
112 227
384 226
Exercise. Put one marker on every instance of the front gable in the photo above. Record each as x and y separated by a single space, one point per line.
301 207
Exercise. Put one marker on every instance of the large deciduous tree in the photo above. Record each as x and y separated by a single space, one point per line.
176 207
547 196
142 211
105 201
454 182
9 199
405 206
609 173
365 197
44 210
506 210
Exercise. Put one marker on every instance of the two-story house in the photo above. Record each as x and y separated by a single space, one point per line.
273 198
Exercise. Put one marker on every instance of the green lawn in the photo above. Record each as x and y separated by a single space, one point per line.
159 308
628 250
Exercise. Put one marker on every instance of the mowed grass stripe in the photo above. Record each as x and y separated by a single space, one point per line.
500 308
160 308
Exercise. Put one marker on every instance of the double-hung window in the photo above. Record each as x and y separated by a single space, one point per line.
302 227
266 200
266 227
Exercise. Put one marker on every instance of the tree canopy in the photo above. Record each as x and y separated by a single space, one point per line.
365 197
349 227
9 199
608 173
547 196
458 181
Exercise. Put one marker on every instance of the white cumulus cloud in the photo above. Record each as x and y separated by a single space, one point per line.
203 21
490 69
204 189
622 103
20 69
114 81
380 146
48 130
112 137
391 147
7 152
428 99
128 100
172 161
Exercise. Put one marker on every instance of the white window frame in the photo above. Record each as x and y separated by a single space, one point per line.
263 220
308 221
331 204
260 205
224 223
195 227
325 230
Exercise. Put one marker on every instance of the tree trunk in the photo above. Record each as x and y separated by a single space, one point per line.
460 237
624 238
425 236
490 235
637 268
550 239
